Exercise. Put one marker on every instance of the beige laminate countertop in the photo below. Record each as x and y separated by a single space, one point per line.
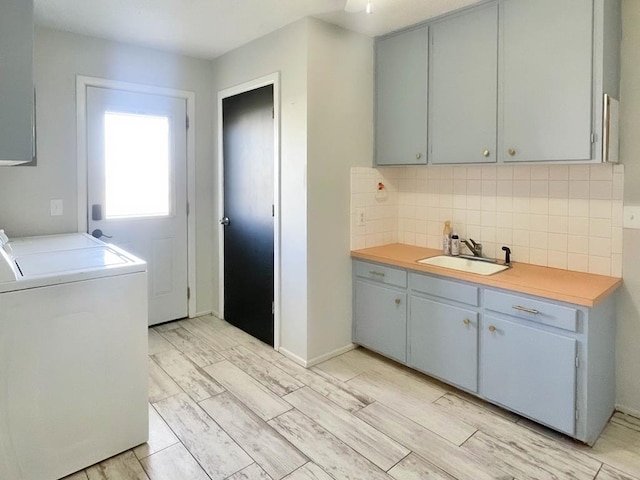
573 287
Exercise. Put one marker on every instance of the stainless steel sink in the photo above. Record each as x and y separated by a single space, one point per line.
480 266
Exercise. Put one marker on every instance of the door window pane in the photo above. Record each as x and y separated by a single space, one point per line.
137 173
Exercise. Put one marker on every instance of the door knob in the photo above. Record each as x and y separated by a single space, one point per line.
512 152
224 221
492 328
486 153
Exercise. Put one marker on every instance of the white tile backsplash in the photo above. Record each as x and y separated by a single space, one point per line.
561 216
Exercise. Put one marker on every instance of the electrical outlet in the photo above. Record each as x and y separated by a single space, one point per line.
56 208
360 217
631 217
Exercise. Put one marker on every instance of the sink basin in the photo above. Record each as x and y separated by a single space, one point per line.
464 264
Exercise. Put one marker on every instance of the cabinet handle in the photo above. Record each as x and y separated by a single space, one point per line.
492 328
397 301
524 309
466 321
418 156
376 274
512 152
486 153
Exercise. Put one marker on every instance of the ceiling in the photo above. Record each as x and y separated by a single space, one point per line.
210 28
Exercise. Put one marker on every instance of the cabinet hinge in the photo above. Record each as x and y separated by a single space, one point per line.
594 138
188 208
273 210
273 308
577 362
187 122
577 414
188 293
273 112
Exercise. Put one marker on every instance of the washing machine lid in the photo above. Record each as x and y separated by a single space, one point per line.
50 243
82 259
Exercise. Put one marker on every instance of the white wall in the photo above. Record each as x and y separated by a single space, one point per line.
25 192
326 127
340 135
628 333
283 51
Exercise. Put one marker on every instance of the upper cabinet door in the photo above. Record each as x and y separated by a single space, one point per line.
462 88
401 98
16 81
547 80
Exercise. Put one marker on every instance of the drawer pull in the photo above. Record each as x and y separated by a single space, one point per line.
492 328
376 274
527 310
466 321
397 301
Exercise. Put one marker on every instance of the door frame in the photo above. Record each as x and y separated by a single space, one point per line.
271 79
82 83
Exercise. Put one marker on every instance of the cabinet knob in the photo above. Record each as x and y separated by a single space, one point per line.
512 152
418 156
486 153
397 301
492 328
466 321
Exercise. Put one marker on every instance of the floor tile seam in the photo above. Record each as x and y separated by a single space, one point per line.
386 404
100 466
266 422
408 447
183 351
246 371
347 412
349 447
188 452
547 467
178 437
580 448
200 370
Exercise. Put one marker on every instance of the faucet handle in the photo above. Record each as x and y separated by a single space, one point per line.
476 245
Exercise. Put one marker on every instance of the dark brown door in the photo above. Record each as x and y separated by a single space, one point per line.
248 148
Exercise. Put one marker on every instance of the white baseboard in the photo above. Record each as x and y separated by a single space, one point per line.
316 360
334 353
202 314
629 411
292 356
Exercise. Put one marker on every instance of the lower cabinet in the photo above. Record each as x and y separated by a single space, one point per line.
529 370
381 319
443 342
550 361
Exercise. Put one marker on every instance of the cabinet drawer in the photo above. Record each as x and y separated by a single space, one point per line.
382 274
458 292
533 310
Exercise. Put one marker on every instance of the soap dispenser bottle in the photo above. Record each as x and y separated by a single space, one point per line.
446 238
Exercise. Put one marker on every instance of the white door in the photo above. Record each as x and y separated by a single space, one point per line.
137 187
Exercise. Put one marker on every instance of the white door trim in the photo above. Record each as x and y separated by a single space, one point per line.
82 83
271 79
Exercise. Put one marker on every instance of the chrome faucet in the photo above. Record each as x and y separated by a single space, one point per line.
475 248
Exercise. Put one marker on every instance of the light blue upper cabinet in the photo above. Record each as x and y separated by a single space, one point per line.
546 87
16 82
401 98
462 87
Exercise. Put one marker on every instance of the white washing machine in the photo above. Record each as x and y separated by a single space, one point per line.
73 354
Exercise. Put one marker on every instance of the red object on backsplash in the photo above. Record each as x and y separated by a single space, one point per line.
380 186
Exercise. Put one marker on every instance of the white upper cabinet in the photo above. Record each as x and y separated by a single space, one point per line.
546 88
16 82
462 87
401 98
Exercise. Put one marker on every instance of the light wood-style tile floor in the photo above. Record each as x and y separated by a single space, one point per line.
223 405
